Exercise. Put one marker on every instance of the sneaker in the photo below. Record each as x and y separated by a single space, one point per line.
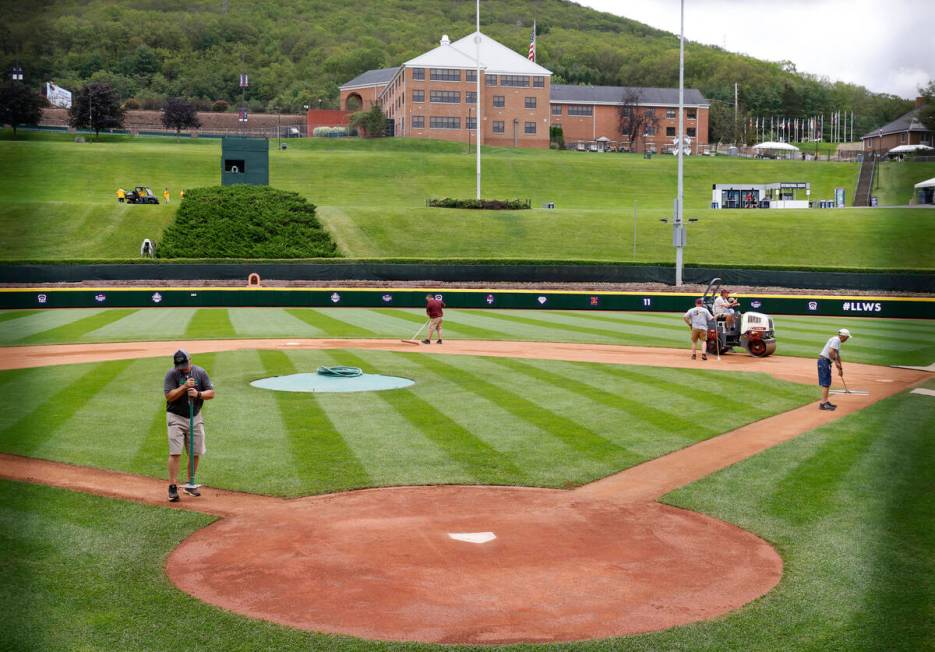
190 491
693 356
173 494
426 341
438 341
826 406
704 356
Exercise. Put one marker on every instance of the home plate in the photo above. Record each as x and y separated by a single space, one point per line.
923 391
473 537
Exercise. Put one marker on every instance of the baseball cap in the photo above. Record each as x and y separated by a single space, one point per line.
844 332
699 301
181 359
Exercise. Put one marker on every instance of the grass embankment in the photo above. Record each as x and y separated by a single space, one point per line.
876 341
849 507
895 181
58 203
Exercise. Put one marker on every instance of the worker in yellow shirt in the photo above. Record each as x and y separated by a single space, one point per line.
121 195
181 194
166 195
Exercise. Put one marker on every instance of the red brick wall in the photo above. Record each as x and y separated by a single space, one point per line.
368 96
605 122
326 118
881 145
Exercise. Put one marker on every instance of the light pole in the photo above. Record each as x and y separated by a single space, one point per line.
477 98
306 106
678 227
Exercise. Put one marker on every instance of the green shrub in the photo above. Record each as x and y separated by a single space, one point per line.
484 204
245 222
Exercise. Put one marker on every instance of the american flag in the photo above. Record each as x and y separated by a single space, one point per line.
532 43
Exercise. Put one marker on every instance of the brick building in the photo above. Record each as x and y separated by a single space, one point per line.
432 96
904 130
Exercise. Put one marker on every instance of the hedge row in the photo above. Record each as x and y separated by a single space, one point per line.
245 221
484 204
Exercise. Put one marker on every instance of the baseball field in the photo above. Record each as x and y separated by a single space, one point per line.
638 500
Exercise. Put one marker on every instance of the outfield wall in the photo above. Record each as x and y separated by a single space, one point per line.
415 298
460 272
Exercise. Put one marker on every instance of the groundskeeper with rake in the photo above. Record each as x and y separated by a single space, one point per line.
434 309
831 353
186 388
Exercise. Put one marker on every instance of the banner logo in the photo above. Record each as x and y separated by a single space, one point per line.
595 301
335 297
42 298
100 298
756 304
813 305
542 300
387 298
489 299
862 306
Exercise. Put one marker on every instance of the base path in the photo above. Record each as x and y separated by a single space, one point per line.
454 564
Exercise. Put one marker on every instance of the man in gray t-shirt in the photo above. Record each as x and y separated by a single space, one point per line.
697 319
185 383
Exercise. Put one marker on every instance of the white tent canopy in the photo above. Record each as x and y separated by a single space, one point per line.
771 145
905 149
930 183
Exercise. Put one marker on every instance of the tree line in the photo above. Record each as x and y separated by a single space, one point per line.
297 53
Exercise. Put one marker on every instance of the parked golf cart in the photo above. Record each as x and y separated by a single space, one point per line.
141 195
752 331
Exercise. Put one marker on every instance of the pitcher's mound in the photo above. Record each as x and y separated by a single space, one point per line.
381 564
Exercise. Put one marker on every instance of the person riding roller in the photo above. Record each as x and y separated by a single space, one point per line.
725 307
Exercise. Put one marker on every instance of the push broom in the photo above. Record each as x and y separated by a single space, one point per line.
415 338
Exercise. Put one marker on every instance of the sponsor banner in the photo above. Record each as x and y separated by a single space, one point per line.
415 298
57 95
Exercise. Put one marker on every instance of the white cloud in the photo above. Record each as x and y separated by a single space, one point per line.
887 47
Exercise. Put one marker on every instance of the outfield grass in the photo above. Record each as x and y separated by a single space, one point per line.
464 421
849 506
876 341
58 203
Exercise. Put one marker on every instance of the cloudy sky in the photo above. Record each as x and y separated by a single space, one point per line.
887 46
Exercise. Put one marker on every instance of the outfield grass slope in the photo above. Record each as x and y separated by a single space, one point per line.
58 203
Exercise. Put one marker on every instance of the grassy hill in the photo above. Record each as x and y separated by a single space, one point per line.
58 203
297 51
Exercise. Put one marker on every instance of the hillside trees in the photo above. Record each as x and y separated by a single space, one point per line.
96 107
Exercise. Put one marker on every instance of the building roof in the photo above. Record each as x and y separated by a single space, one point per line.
495 57
909 121
615 94
372 78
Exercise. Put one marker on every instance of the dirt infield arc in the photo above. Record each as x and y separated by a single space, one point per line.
599 561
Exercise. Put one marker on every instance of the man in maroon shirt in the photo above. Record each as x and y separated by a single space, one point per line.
434 309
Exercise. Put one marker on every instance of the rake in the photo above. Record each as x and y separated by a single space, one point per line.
415 338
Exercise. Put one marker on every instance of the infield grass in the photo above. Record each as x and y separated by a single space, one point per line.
849 506
876 341
59 203
464 421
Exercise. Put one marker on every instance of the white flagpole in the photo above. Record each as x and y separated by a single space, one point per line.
477 124
678 227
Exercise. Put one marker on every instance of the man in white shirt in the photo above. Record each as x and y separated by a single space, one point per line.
726 306
831 353
697 319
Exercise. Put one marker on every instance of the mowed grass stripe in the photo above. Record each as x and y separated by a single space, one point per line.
485 463
153 449
560 329
16 314
450 327
329 325
209 323
33 429
573 434
321 457
78 329
659 419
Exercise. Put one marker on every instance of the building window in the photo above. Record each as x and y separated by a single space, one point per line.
472 123
491 80
530 127
418 74
499 101
418 122
627 111
904 137
514 80
650 131
580 109
445 97
670 131
670 114
692 114
530 102
443 122
498 126
650 113
418 95
446 74
538 82
691 131
470 97
556 109
470 75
